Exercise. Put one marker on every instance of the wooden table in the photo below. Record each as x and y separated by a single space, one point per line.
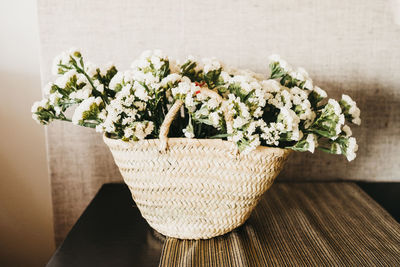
295 223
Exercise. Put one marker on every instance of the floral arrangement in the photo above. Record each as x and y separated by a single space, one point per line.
282 110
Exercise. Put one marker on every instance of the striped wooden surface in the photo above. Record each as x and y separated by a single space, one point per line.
300 224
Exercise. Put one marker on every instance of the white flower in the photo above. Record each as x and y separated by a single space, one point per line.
270 133
356 121
254 143
282 99
348 100
141 76
308 116
189 101
99 128
58 110
296 134
338 127
336 106
149 128
308 84
63 59
215 118
128 132
290 119
65 78
139 130
191 58
184 87
81 79
251 128
211 64
336 148
103 114
81 94
53 98
188 132
44 103
301 72
274 58
212 103
271 86
104 69
140 105
258 112
156 61
352 109
85 106
225 76
237 137
117 79
155 58
297 75
90 69
311 142
282 63
60 59
100 88
140 92
239 122
346 129
128 120
351 149
339 124
172 78
320 92
111 115
141 63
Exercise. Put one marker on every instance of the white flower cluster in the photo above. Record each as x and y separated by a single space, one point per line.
41 106
248 98
285 110
327 121
81 84
350 109
211 64
125 112
89 107
64 59
298 77
142 93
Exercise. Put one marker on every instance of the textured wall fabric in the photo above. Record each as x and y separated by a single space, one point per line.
347 46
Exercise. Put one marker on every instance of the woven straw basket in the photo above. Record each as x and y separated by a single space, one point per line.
194 188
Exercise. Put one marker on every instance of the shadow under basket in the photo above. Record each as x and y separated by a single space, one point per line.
196 188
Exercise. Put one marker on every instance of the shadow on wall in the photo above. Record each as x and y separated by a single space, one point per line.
26 229
378 134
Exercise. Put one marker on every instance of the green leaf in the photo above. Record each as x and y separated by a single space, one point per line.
220 136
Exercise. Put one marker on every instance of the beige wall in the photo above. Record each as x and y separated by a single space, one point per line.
26 229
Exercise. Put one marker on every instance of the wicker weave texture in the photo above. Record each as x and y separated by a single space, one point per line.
198 188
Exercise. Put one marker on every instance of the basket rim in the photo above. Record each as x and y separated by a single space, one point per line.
197 141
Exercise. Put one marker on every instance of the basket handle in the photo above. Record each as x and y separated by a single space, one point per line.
172 113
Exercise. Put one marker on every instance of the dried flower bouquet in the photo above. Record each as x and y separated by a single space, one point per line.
284 109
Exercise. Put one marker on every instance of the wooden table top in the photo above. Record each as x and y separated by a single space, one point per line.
294 223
